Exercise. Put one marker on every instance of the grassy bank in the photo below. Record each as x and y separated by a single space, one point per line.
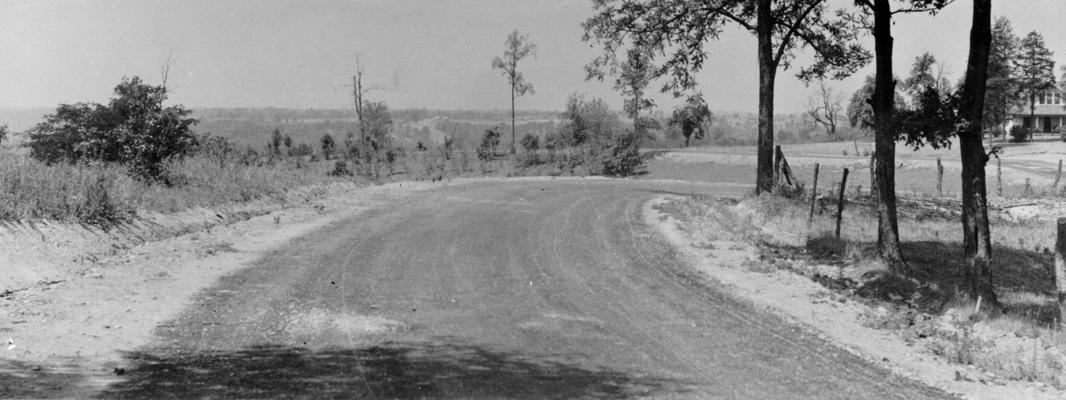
924 305
101 193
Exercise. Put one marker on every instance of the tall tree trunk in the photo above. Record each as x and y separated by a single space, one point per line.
977 242
1032 115
888 245
764 171
512 119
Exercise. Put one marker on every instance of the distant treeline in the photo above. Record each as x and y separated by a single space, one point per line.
274 114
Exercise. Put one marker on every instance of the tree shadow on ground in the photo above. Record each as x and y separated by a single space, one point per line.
22 380
388 371
935 280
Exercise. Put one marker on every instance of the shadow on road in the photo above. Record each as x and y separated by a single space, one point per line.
393 371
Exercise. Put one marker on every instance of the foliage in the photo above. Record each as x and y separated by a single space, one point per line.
861 112
329 145
1018 134
489 142
340 168
518 47
3 133
275 143
923 76
587 121
1002 86
693 118
133 129
932 121
678 30
530 142
1035 66
624 156
634 76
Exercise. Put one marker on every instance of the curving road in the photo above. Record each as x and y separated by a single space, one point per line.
530 290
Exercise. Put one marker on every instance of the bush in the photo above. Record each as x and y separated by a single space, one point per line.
624 158
489 141
340 168
530 142
1018 134
133 129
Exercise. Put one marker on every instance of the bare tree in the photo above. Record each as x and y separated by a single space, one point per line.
518 47
824 107
359 92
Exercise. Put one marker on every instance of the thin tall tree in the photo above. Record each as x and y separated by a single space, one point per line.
1001 92
977 241
518 47
885 126
1036 71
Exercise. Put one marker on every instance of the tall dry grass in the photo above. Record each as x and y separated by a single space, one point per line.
101 193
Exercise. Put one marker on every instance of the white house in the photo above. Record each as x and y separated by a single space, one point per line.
1050 112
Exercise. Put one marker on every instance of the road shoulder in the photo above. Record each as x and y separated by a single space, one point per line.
836 318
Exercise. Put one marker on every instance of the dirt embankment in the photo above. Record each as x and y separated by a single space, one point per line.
74 297
809 304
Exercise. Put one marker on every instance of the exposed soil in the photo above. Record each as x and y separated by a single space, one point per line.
73 296
829 314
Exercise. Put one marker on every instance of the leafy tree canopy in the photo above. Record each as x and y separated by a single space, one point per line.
677 30
133 129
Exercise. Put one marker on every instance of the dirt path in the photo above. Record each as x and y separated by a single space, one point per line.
65 338
516 289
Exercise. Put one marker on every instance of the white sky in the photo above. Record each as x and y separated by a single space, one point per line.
433 54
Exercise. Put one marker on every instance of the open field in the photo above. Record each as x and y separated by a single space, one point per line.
915 170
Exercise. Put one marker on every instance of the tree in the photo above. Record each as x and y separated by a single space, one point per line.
359 92
926 73
489 142
587 121
328 146
634 77
275 142
134 129
977 241
692 118
885 126
1001 88
518 47
860 110
3 132
678 29
824 108
1036 71
377 123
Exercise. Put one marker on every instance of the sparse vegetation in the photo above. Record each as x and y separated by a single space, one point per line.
926 305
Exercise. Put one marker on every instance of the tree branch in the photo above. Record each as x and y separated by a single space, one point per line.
785 40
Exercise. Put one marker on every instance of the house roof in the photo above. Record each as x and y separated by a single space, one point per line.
1041 109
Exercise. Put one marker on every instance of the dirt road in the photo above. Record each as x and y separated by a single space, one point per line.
550 289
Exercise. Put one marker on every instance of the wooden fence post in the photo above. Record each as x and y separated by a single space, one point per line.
840 202
999 177
814 196
939 178
873 177
1060 268
1058 176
